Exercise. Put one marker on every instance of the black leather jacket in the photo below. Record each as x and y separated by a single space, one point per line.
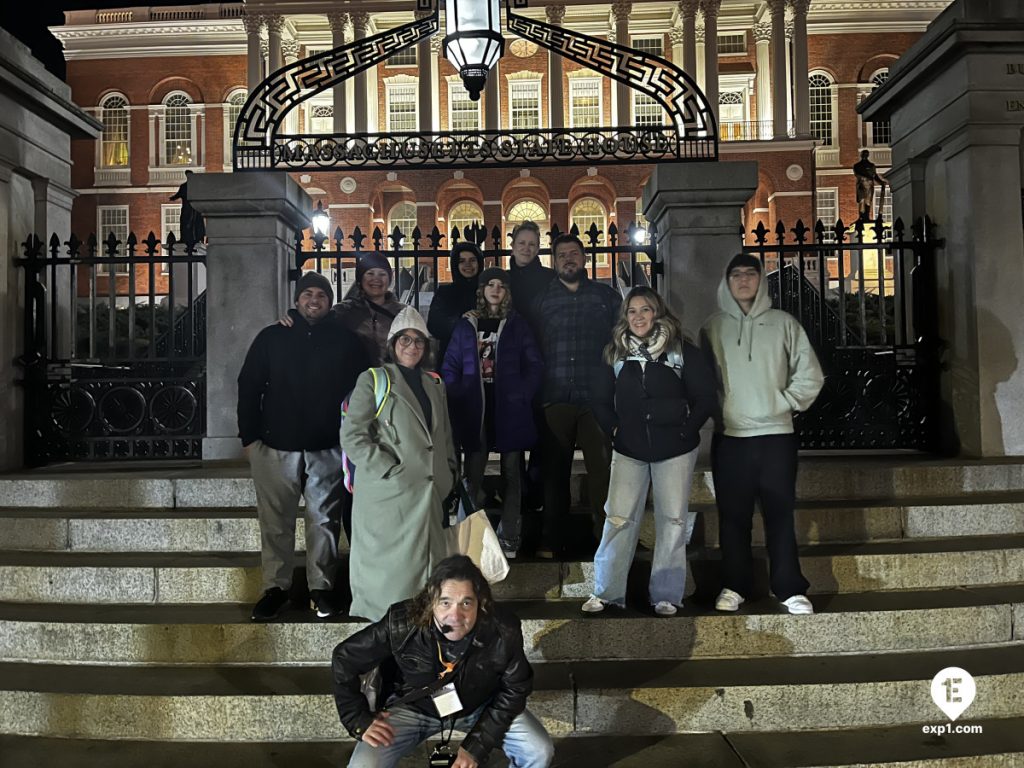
493 672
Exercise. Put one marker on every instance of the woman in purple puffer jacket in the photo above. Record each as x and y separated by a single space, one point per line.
493 370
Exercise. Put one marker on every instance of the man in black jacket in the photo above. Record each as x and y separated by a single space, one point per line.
290 391
451 660
528 276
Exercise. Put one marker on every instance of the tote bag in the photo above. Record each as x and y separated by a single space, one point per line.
475 538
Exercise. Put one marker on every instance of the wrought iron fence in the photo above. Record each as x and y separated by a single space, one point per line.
621 259
868 304
114 349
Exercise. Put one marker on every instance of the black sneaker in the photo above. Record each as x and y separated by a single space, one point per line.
270 604
324 603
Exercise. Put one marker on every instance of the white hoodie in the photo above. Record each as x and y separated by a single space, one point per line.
764 362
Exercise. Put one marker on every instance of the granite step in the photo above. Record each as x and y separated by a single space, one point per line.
199 577
1001 745
235 529
260 703
218 485
552 630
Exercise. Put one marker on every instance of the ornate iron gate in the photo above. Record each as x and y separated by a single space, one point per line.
114 350
868 303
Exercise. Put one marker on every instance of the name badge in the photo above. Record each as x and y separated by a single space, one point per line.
447 700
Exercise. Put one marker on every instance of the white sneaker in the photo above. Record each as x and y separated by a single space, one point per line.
728 600
593 605
665 608
798 605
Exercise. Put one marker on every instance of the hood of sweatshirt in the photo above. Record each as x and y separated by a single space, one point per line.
745 322
465 286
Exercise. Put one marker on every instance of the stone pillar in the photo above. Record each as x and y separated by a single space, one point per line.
556 95
789 75
338 21
711 8
688 10
435 77
699 53
425 81
620 12
492 99
275 56
801 69
253 23
290 50
696 209
762 39
778 64
360 21
251 219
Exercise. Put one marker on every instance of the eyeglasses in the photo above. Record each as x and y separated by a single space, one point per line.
406 341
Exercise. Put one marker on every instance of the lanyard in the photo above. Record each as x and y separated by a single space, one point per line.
449 666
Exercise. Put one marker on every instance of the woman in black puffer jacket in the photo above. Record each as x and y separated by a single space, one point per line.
656 395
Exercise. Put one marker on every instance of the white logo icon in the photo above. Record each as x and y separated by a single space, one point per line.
953 691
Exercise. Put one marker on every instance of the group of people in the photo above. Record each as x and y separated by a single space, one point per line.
532 360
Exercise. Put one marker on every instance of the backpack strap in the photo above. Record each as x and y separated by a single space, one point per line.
381 388
675 359
617 367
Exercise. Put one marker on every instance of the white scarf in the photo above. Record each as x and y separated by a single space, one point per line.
649 348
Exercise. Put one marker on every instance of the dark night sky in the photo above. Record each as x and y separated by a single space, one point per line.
28 20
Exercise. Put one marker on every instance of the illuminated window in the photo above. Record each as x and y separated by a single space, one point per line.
881 131
585 214
584 102
822 127
112 219
463 112
178 135
403 216
524 104
114 141
464 215
402 113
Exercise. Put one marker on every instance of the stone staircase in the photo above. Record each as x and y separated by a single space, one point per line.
125 640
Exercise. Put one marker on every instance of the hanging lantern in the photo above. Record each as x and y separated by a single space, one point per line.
320 221
473 43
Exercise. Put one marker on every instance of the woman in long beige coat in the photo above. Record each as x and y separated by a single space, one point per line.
405 467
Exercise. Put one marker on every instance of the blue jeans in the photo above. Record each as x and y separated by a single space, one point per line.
627 498
527 744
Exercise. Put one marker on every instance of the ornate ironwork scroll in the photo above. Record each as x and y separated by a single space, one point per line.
691 134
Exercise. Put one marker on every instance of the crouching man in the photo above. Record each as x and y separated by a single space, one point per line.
451 660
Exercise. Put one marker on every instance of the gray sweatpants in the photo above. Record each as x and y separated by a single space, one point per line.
281 477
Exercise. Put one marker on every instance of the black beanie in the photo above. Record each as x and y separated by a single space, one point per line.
373 260
314 280
494 273
743 260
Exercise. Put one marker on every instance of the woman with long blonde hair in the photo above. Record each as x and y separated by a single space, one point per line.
652 400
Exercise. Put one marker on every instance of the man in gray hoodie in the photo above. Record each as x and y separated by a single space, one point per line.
766 371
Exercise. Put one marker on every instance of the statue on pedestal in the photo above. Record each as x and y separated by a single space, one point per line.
867 174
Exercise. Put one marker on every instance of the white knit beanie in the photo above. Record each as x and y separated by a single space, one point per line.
408 319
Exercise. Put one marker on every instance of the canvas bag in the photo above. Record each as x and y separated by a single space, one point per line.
475 538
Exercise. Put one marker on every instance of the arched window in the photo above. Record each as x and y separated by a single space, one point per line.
822 124
463 215
114 141
403 216
586 213
881 131
321 118
232 109
178 129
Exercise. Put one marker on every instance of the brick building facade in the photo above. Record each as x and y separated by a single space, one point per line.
168 84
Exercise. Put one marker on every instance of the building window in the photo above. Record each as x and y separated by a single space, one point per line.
731 114
822 127
112 219
232 109
584 102
178 130
647 111
734 42
464 215
403 216
585 214
170 223
524 104
881 131
463 112
114 141
828 210
886 209
406 58
652 45
321 118
401 106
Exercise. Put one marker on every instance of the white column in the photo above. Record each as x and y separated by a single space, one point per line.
762 39
435 79
253 23
801 68
620 11
338 21
556 94
711 53
275 58
424 82
699 55
778 65
688 9
789 73
678 38
360 20
492 99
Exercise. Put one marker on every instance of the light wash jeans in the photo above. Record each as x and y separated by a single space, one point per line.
627 497
527 744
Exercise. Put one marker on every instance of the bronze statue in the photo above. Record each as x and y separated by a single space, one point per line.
191 224
867 174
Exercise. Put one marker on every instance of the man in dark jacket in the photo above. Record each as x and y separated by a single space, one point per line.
450 659
575 316
528 276
290 391
458 297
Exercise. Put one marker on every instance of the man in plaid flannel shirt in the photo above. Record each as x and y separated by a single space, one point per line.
575 316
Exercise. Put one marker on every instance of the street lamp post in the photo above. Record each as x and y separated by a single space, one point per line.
473 43
321 224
